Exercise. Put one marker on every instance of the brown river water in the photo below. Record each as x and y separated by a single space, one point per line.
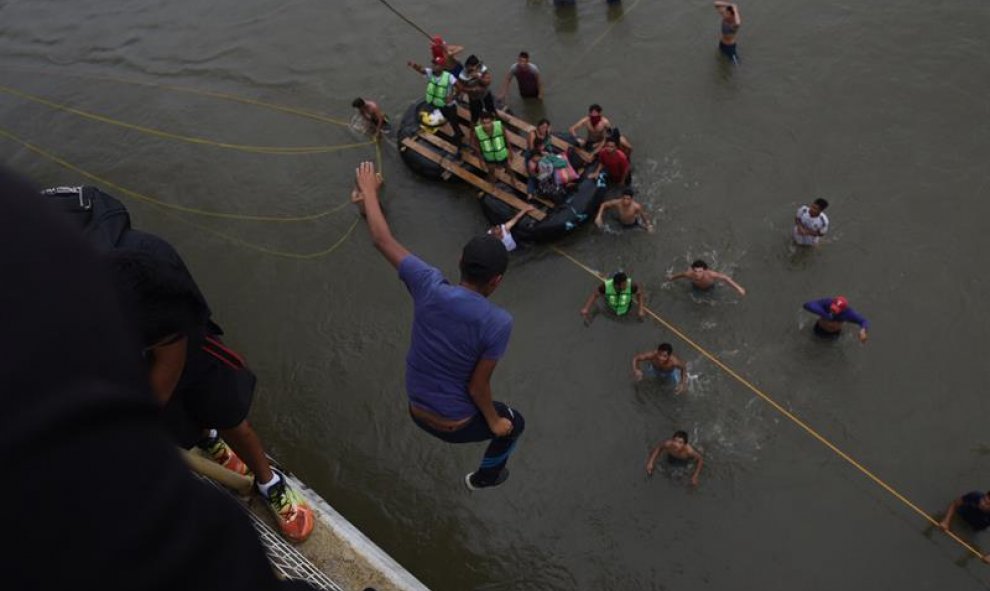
880 107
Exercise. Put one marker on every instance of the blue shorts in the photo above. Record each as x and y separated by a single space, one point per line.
673 375
729 51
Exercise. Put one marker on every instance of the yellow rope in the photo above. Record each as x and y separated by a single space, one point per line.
281 150
270 251
169 209
789 415
164 204
230 97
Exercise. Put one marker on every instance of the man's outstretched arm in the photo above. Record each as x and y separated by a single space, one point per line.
366 198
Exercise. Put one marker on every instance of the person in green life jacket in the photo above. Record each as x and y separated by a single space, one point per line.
617 294
489 140
440 95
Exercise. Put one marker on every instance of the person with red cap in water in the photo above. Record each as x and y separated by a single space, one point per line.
832 312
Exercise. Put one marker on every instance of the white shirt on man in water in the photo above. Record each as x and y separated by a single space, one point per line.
818 225
506 238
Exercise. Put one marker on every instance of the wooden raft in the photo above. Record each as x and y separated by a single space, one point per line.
435 148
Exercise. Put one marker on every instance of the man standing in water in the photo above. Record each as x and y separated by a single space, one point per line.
458 337
832 312
704 278
679 453
664 365
617 293
974 508
372 113
528 76
810 223
731 21
627 209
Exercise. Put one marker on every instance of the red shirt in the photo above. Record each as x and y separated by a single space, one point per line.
616 164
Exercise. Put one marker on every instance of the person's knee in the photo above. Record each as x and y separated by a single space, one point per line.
518 422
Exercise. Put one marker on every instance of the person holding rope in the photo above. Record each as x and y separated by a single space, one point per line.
458 337
373 114
974 508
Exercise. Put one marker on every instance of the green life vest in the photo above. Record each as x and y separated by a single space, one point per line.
619 302
492 148
437 89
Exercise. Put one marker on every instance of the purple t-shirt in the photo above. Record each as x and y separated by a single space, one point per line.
453 328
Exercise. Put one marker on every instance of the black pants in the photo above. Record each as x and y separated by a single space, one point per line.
499 448
450 114
215 392
486 103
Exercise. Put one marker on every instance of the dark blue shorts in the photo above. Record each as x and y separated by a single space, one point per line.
728 50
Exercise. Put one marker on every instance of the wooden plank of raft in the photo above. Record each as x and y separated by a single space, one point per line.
525 127
472 178
469 157
516 137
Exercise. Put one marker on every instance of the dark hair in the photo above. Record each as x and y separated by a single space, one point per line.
681 434
524 54
821 203
542 121
358 103
729 9
611 140
665 347
472 60
487 115
628 191
161 298
595 107
483 258
699 264
620 277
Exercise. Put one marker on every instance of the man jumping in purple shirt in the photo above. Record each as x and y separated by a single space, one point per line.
832 312
458 337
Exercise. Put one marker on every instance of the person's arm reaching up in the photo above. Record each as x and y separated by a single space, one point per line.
366 197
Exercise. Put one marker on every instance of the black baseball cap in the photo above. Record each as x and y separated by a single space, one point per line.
484 257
